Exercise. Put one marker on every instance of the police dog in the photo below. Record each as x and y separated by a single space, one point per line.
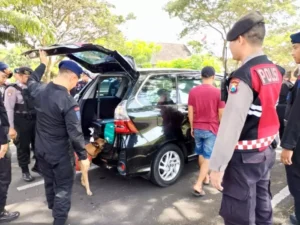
93 149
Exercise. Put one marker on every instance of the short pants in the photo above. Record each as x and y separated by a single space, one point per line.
204 142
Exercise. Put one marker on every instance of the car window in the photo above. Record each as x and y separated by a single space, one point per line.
185 84
158 90
109 86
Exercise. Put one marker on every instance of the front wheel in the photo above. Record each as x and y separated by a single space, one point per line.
167 165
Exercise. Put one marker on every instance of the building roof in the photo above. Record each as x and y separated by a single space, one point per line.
171 51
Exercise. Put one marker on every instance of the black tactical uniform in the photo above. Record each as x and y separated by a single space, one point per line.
58 128
22 117
291 141
285 88
5 164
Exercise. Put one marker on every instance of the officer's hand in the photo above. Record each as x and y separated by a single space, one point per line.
3 150
85 164
216 179
12 133
43 57
286 156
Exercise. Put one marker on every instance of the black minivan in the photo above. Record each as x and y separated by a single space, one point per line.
142 113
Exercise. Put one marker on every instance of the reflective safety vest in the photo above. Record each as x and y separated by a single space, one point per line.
262 123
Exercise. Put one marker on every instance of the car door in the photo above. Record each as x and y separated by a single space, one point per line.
153 106
185 82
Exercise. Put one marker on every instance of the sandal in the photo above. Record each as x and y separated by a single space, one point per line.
198 194
206 183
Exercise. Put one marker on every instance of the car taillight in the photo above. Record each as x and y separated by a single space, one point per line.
123 124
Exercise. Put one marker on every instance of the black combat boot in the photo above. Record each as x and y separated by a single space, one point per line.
26 175
36 169
6 216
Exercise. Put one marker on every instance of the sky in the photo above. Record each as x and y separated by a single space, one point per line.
154 24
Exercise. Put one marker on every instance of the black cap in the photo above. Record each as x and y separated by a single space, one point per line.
244 24
208 71
295 38
23 70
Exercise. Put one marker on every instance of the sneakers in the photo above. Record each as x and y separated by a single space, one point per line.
6 216
294 220
27 177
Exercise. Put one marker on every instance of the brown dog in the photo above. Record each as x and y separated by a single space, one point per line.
93 149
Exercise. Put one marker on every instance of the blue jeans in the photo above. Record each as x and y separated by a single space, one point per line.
204 141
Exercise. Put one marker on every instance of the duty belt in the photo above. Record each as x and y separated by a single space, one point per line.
255 144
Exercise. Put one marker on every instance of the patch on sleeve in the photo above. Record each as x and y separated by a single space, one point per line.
233 86
10 92
77 111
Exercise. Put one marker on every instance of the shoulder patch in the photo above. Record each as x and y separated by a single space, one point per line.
233 86
77 111
10 91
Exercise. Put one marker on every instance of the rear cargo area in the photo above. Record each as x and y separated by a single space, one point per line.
97 111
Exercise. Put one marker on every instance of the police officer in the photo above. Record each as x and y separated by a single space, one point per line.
290 141
85 79
58 131
5 157
286 86
244 149
22 117
3 77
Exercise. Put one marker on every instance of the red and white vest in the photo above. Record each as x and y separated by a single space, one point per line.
262 124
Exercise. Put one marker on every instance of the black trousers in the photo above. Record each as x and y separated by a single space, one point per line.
59 179
26 134
246 194
5 179
293 180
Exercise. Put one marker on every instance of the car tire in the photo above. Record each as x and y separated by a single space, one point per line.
166 171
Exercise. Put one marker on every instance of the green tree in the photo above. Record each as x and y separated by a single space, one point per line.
16 24
140 50
195 62
278 47
220 15
70 21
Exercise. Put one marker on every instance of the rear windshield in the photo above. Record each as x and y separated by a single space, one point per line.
93 57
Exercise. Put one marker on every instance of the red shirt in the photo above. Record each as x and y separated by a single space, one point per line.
206 102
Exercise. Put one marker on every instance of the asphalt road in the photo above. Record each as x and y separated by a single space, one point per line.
134 201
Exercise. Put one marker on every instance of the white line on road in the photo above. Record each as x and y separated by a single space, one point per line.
280 196
31 185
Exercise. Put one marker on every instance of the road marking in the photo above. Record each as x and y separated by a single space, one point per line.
280 196
31 185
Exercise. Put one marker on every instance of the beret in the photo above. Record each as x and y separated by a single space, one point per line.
295 38
244 24
3 67
207 71
23 70
72 66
